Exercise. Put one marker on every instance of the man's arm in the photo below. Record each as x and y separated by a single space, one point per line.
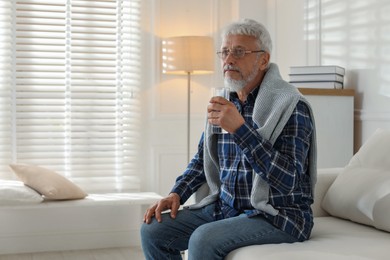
193 177
280 164
185 186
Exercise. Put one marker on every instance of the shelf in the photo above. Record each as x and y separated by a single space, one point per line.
326 92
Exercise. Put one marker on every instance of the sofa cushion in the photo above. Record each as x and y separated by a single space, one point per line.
331 239
381 213
50 184
16 193
360 192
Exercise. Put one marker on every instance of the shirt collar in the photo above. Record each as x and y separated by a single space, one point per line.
251 97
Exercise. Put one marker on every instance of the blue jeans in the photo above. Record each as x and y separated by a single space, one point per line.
205 238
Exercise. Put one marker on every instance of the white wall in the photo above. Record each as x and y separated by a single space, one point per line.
353 34
361 43
165 96
349 33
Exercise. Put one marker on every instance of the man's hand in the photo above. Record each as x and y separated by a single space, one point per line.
224 113
171 202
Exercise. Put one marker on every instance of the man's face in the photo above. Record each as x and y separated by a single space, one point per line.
243 71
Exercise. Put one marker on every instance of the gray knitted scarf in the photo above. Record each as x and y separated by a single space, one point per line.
274 104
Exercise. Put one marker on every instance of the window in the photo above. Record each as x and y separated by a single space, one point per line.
69 82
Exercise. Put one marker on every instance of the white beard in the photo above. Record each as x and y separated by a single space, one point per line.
233 84
237 85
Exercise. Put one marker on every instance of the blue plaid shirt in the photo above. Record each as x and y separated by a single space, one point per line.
283 164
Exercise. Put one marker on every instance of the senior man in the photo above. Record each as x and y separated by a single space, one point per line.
261 173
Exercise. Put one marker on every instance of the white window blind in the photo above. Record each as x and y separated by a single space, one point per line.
70 82
6 76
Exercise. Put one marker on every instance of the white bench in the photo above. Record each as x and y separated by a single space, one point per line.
98 221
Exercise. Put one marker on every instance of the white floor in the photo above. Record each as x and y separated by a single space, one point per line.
130 253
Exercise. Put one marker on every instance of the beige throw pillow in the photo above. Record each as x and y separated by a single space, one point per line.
361 191
50 184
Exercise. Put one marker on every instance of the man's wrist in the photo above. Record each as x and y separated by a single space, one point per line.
174 194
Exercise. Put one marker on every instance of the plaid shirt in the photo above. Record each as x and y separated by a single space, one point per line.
284 165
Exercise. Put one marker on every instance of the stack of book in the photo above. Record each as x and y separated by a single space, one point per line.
317 76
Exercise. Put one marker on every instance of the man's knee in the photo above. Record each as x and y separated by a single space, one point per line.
204 245
145 230
201 239
150 230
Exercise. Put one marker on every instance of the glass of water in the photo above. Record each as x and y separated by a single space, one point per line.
220 92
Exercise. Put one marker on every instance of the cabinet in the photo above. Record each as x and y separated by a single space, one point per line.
334 117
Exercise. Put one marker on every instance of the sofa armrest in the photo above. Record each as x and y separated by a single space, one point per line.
325 178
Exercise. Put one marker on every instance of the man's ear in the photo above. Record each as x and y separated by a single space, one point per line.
264 60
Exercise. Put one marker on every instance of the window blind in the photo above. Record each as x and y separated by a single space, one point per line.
6 76
71 89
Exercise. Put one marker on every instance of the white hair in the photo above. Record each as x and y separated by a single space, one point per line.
253 28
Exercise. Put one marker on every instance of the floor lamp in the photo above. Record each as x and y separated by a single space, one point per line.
188 55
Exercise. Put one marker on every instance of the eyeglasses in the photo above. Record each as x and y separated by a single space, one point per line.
237 53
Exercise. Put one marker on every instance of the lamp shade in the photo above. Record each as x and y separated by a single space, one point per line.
188 54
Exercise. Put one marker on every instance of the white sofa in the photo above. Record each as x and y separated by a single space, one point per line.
44 211
98 221
352 211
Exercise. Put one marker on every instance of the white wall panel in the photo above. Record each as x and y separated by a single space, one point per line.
294 28
169 162
165 100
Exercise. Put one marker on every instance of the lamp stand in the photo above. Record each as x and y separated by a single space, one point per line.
188 55
188 114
